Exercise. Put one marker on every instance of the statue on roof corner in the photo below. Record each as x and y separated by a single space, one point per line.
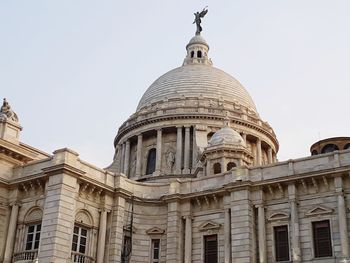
198 21
6 112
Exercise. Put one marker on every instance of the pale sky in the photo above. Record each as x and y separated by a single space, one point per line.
73 71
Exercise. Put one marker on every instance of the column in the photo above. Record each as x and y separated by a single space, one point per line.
244 136
208 167
258 152
101 236
343 229
188 239
139 155
127 158
294 220
159 152
227 236
174 235
269 155
223 166
116 236
178 159
11 234
262 234
187 150
122 159
194 150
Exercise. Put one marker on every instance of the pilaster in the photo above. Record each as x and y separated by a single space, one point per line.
58 218
116 239
174 253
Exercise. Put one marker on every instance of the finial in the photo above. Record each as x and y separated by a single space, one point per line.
198 21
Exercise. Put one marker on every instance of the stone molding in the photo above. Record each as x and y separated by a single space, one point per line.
319 210
209 225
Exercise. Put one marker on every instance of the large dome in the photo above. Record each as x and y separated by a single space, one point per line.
197 80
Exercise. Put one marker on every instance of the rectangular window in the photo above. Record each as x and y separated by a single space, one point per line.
126 248
33 237
79 241
322 238
211 249
281 243
155 250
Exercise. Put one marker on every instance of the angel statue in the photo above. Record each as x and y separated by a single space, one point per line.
198 21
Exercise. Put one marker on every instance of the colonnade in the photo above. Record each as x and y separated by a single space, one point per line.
184 161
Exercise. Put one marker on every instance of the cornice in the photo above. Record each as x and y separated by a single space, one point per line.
124 130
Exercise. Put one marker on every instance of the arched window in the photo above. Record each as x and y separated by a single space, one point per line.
209 135
314 152
231 165
217 168
346 147
199 54
329 148
81 235
33 220
151 161
192 54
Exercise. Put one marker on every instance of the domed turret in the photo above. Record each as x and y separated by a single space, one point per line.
226 135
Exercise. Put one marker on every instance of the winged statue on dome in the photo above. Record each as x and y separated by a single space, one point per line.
198 20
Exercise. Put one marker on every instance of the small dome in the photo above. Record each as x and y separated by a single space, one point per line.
197 39
226 135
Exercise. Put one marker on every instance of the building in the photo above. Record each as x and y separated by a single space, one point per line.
194 178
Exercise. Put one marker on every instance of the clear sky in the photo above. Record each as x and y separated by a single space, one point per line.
73 71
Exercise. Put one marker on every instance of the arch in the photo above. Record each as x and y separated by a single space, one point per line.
192 54
314 152
209 135
84 217
231 165
34 214
217 168
329 148
347 146
151 161
199 54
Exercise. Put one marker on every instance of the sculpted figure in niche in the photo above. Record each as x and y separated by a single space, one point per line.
170 160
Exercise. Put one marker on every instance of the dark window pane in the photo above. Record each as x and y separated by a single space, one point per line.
30 237
75 238
36 245
210 249
29 246
83 232
38 228
30 229
37 236
83 241
322 239
82 249
217 168
329 148
281 243
74 247
76 230
151 161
